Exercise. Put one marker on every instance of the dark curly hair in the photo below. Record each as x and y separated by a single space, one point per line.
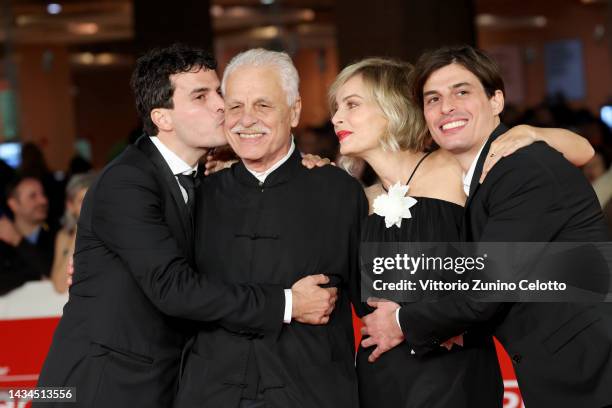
151 77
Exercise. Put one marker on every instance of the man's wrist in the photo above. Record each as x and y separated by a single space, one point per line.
397 320
288 306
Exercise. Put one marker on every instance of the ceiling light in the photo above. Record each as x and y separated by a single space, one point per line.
83 28
105 58
86 58
485 19
266 33
54 8
267 2
216 11
24 20
540 21
503 22
308 15
238 12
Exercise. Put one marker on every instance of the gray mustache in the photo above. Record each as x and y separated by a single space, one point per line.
242 129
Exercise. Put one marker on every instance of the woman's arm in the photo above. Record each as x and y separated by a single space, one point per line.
575 148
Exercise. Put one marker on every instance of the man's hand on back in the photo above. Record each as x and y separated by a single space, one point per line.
311 161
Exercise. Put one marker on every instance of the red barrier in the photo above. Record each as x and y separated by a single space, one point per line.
25 343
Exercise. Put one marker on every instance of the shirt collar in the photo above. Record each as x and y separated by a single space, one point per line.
467 177
33 237
176 164
261 176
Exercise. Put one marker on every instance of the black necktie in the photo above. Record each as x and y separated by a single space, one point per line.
189 184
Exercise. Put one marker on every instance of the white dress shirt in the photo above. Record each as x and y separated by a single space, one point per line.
33 237
261 176
176 164
467 177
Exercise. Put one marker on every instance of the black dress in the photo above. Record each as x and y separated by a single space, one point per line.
466 376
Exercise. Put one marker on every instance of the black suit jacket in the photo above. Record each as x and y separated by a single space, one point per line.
562 352
120 340
298 222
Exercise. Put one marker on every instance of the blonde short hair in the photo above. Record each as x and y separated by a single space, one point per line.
389 84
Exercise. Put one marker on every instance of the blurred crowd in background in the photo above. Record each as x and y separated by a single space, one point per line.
39 210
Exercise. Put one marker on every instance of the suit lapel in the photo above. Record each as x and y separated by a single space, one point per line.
148 148
475 183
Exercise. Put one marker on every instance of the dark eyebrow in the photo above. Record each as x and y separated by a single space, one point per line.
351 96
199 90
460 84
455 86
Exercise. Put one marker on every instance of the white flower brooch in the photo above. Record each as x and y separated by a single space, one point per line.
394 205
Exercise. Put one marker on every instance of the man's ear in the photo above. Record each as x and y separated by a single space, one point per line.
162 119
12 204
296 109
497 102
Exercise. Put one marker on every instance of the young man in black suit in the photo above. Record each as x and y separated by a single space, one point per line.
120 339
562 352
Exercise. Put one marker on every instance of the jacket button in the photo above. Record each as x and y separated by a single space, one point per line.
435 342
517 358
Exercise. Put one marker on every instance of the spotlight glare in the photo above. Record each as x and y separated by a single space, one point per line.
54 8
